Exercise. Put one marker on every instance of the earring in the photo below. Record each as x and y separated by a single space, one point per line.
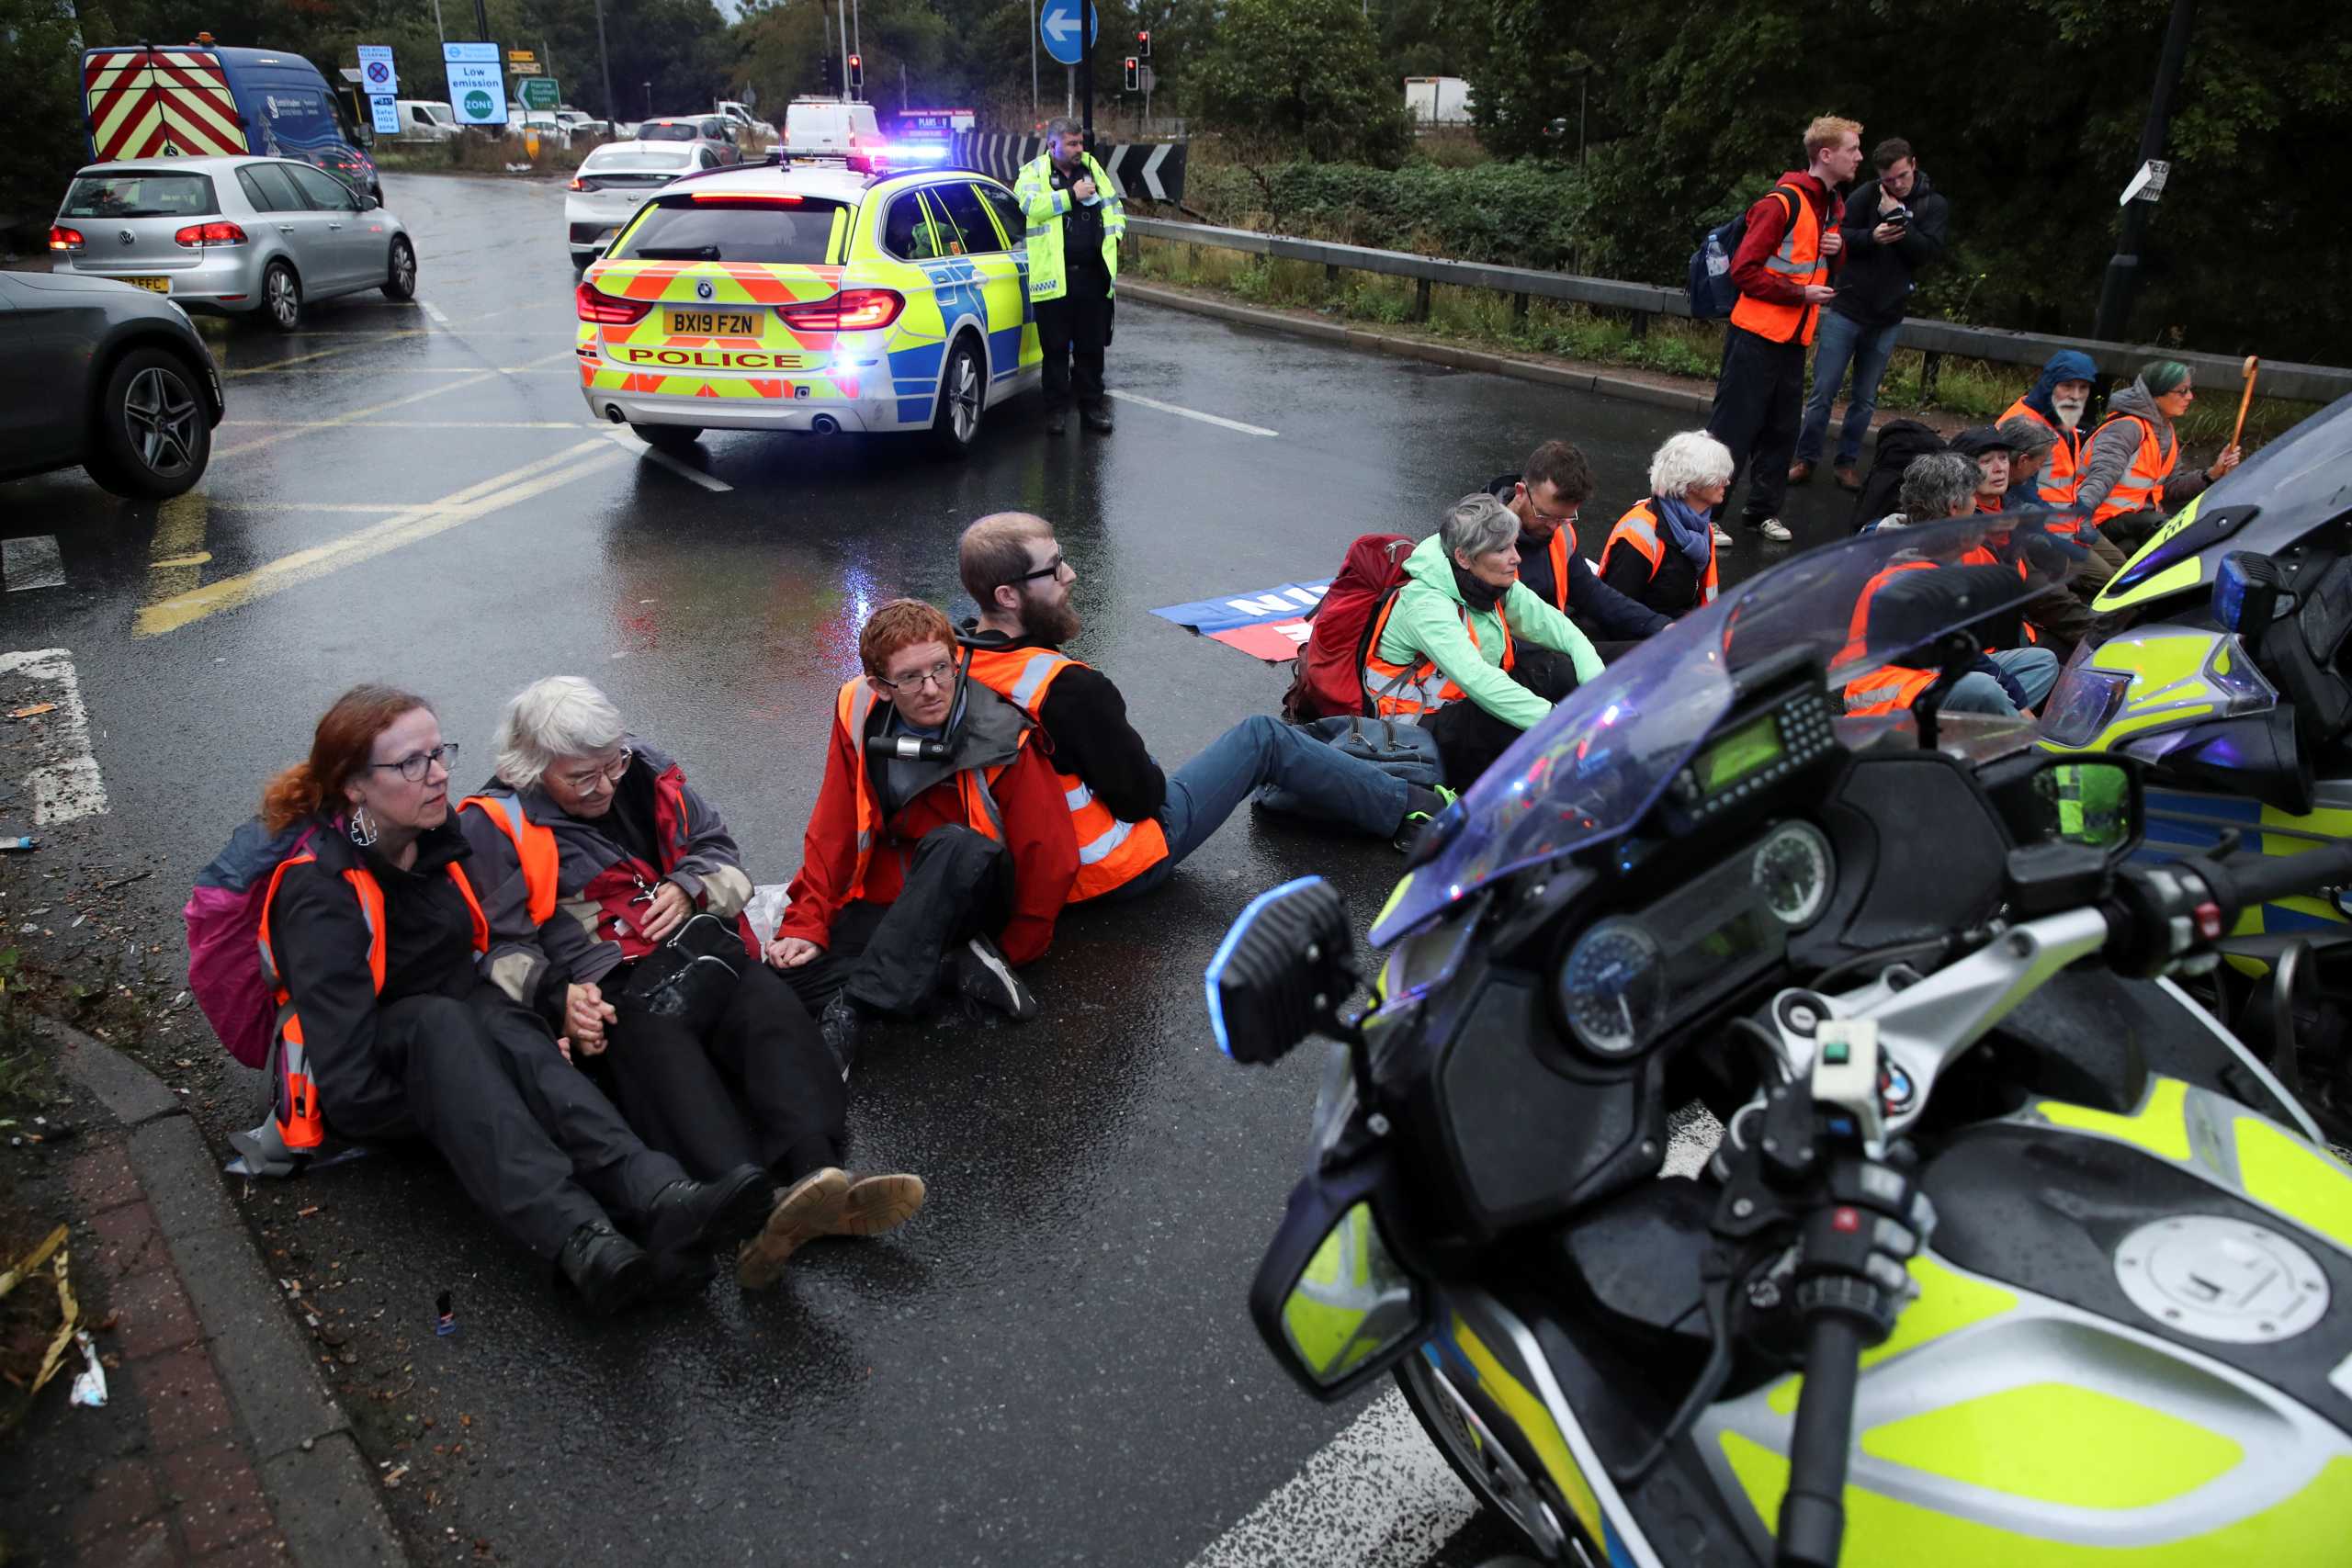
361 829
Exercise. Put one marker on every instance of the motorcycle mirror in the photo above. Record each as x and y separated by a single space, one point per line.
1331 1301
2095 802
2246 590
1282 972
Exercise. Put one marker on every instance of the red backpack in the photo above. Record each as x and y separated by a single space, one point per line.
1327 678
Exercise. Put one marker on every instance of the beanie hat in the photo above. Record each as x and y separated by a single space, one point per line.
2161 375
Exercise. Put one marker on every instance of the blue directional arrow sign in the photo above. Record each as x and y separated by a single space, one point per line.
1057 24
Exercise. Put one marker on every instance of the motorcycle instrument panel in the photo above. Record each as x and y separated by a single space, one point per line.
1736 767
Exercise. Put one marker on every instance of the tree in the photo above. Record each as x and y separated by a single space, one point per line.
1307 72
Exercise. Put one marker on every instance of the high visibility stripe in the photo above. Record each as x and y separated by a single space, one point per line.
1077 798
1095 852
1033 676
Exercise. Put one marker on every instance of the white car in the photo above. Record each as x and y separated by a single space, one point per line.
423 119
579 122
614 181
542 123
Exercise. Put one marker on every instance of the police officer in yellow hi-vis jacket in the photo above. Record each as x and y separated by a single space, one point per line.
1075 223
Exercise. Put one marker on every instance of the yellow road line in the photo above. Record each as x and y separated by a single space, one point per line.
403 424
406 527
321 354
176 557
354 416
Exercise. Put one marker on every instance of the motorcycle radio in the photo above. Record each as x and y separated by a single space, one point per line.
1762 751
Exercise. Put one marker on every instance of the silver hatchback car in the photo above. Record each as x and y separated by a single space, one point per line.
233 234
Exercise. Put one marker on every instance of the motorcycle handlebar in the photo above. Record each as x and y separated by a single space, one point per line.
2241 884
2160 914
1813 1513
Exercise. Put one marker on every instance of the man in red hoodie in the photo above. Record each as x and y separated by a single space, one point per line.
937 825
1782 270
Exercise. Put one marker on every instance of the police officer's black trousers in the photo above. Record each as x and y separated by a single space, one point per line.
1072 330
534 1145
756 1087
1760 401
886 958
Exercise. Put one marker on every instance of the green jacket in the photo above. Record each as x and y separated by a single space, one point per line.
1043 206
1429 622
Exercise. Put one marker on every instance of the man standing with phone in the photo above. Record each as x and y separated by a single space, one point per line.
1782 270
1076 221
1893 225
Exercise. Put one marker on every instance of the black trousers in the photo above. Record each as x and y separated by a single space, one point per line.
887 958
1073 330
756 1087
1760 399
537 1146
1469 738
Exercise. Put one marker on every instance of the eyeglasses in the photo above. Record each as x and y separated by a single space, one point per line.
1051 568
940 676
1557 519
609 773
414 767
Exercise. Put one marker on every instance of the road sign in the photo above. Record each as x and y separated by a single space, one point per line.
2148 185
377 73
385 113
1057 24
539 92
477 85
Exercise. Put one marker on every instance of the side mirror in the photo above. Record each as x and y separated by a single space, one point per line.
2092 801
1330 1299
1282 972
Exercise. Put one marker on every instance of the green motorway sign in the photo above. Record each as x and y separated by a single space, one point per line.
540 93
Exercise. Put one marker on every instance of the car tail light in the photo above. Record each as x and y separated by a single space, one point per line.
851 310
585 182
596 305
214 233
64 239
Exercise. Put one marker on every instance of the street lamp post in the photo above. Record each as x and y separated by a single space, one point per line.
2123 268
1032 55
605 60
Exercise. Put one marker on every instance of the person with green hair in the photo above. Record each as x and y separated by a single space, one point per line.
2129 464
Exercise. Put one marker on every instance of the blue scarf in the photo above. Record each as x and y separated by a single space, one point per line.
1692 534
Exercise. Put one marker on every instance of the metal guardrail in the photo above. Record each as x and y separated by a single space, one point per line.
2307 383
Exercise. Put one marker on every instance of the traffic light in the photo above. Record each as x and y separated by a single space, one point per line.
1143 46
1135 74
856 72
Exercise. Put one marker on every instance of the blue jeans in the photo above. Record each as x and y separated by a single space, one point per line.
2035 670
1842 340
1264 750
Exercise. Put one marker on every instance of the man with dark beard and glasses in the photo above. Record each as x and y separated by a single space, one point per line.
1134 823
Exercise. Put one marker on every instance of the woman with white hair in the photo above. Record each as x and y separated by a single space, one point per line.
1441 651
598 865
1662 551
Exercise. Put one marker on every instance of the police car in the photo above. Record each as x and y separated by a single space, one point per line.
810 297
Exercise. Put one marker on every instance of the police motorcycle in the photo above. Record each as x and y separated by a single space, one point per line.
1966 1279
2233 688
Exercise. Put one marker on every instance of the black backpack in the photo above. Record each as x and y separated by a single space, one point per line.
1713 293
1898 444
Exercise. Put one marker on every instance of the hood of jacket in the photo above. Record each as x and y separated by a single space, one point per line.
1429 564
2066 364
2136 398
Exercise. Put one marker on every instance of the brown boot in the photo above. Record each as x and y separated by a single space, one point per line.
812 1208
878 1204
1800 472
1845 477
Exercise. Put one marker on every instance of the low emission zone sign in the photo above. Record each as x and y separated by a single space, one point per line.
477 83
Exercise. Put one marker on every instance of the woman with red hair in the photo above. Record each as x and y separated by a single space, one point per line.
370 934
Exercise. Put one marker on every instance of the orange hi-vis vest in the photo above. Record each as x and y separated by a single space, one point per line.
1642 532
1403 690
1110 854
535 849
1561 544
2062 471
2142 487
296 1114
1798 261
853 708
1890 688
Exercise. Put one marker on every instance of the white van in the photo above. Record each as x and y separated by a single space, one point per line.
828 125
424 120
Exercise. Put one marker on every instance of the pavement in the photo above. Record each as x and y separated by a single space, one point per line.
1053 1363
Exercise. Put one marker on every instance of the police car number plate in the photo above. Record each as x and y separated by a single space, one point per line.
713 323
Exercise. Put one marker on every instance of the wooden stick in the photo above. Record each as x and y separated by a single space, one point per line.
2252 364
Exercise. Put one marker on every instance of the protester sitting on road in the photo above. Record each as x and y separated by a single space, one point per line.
1450 634
2056 402
1662 551
939 854
373 930
2063 616
1133 823
2031 444
594 854
1893 224
2128 466
1546 496
2006 679
1991 452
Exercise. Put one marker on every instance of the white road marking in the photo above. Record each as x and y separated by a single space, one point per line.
1378 1495
435 311
571 424
404 369
33 561
622 438
72 789
1216 419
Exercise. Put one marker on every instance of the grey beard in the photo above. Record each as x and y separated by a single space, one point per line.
2069 414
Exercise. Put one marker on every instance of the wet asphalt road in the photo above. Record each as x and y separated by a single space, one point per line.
1054 1364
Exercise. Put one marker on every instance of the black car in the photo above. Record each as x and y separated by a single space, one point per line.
108 376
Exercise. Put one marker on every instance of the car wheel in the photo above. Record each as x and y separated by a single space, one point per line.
281 296
671 438
963 400
153 439
400 282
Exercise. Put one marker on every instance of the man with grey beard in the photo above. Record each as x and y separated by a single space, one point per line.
2057 402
